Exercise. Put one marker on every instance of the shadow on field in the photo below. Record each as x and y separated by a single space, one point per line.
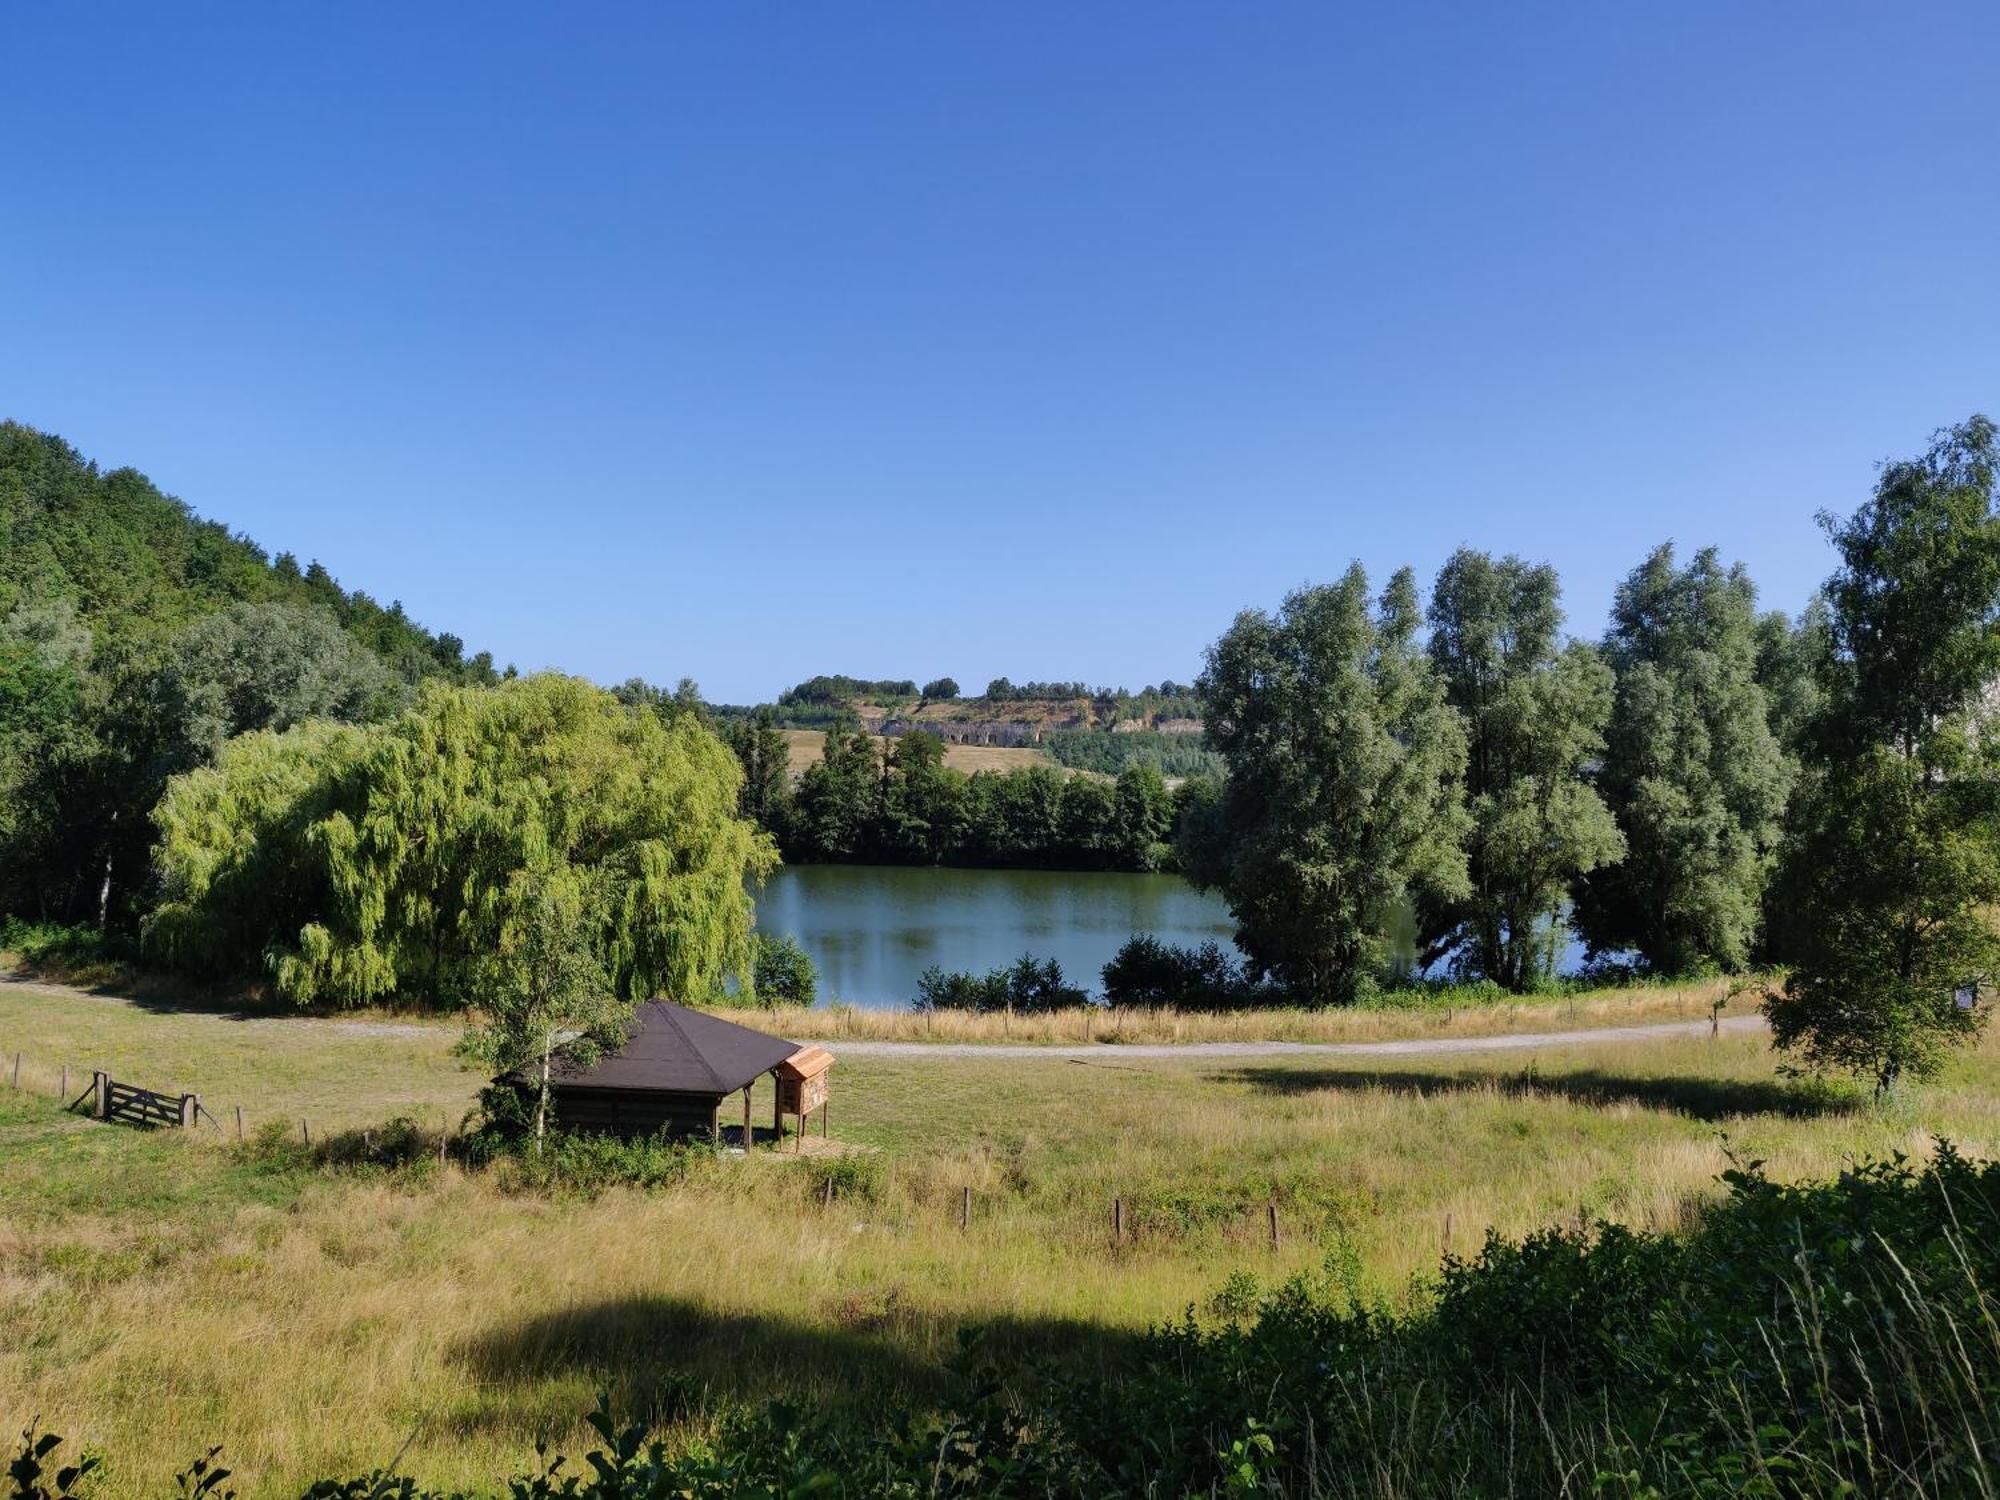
666 1358
1711 1099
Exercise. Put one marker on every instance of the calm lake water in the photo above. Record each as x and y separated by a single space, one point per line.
872 930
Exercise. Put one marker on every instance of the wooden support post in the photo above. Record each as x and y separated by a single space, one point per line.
239 1124
1117 1221
444 1133
965 1208
100 1085
1272 1211
822 1121
777 1107
305 1131
1447 1234
190 1111
829 1192
746 1116
62 1089
17 1070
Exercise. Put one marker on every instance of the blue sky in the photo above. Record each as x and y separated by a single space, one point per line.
749 341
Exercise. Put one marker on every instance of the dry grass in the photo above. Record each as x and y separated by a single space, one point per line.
163 1293
1629 1006
805 746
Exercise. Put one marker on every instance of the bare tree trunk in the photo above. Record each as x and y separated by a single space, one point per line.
104 888
542 1104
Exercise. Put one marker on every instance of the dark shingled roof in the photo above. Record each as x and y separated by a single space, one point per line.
672 1047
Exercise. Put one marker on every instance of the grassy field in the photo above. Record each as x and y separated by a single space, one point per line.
804 747
1421 1016
162 1292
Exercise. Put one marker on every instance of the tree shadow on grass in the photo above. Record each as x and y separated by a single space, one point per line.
667 1359
1709 1099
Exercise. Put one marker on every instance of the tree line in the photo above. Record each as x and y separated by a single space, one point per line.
1705 788
135 639
894 801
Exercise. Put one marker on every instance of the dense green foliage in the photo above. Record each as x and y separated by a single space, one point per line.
896 802
838 689
783 973
1147 972
1812 1340
134 638
1027 985
1534 714
357 864
1344 794
1692 771
1892 869
1094 750
940 690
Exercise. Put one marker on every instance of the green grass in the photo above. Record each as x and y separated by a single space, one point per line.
163 1291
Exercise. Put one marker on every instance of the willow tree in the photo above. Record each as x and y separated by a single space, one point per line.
1343 800
236 865
411 850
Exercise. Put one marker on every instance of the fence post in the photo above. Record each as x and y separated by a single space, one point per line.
1447 1234
1271 1209
62 1089
100 1084
190 1110
965 1208
305 1130
239 1122
1117 1221
17 1070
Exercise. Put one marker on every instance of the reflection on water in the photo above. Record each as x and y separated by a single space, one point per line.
871 930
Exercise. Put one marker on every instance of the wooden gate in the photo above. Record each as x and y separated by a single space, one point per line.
129 1104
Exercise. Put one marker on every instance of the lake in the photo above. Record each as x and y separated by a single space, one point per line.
871 929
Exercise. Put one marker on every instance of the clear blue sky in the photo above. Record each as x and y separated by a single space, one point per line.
749 341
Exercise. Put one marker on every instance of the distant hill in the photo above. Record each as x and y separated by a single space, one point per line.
139 565
1092 729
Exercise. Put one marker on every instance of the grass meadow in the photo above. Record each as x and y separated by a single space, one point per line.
165 1291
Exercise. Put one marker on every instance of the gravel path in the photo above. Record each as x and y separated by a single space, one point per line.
1409 1047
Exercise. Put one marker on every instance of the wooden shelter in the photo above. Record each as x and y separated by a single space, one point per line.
674 1072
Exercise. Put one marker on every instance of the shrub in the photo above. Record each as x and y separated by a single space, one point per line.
1146 971
586 1165
784 973
1026 985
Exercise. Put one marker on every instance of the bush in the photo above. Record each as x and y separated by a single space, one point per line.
80 949
586 1165
1027 985
1146 971
784 973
